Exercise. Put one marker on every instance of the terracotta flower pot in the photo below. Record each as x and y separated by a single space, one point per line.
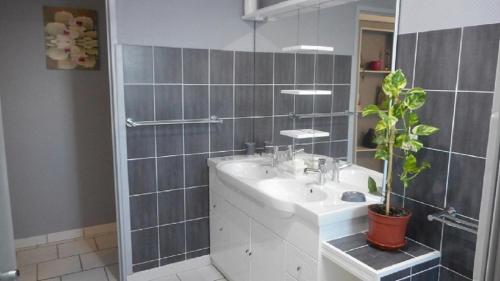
386 232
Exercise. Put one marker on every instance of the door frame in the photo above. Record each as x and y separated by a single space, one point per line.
119 132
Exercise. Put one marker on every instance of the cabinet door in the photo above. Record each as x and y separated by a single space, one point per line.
268 255
238 257
219 240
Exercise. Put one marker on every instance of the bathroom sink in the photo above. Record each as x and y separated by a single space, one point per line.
292 190
251 170
356 177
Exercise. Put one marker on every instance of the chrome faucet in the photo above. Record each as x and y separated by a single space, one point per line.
291 152
336 169
322 170
274 151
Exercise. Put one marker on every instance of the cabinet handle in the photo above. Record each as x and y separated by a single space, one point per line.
247 250
221 229
299 268
214 206
249 253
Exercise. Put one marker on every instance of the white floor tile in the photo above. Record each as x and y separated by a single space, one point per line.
99 229
208 273
99 259
58 267
53 279
167 278
28 273
92 275
107 241
113 272
36 255
77 247
65 235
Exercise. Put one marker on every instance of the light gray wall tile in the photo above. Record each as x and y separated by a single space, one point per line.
137 64
195 66
168 65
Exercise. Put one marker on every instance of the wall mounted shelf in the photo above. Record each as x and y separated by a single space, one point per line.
279 9
308 49
306 92
304 134
293 115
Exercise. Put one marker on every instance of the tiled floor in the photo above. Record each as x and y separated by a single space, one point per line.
91 258
88 259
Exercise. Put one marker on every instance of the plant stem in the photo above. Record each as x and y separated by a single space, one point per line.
392 134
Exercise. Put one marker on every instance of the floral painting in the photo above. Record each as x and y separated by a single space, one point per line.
71 40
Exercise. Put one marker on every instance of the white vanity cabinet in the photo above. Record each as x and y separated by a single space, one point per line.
242 248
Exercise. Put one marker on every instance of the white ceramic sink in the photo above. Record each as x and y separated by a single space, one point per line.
296 195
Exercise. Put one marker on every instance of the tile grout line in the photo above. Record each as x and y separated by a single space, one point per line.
156 159
184 154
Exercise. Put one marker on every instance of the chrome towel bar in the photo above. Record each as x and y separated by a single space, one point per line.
213 119
449 217
293 115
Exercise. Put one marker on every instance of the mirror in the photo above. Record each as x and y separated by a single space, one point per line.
329 59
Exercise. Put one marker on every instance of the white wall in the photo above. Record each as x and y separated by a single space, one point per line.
426 15
57 127
214 24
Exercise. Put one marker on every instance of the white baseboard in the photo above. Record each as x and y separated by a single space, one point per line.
65 235
170 269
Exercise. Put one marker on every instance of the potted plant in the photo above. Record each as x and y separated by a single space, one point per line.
397 135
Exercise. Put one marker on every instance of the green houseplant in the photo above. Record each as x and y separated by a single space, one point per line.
397 135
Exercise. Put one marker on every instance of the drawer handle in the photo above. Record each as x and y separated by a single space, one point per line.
249 253
214 206
247 250
299 268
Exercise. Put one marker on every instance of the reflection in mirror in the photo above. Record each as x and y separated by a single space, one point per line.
328 61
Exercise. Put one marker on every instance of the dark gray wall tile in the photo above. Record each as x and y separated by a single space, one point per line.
263 68
458 250
323 103
221 136
140 142
447 275
282 123
338 149
342 69
196 170
144 245
244 101
137 64
341 98
169 140
197 234
303 104
428 275
283 103
340 128
172 239
196 202
305 69
396 276
142 176
143 211
349 242
419 228
168 99
243 132
472 118
324 69
168 65
172 259
144 266
195 66
478 62
416 249
199 253
171 207
263 130
195 138
430 186
170 172
322 124
221 67
437 59
378 259
284 68
438 112
263 101
244 67
139 102
221 101
195 102
466 184
405 55
426 265
321 148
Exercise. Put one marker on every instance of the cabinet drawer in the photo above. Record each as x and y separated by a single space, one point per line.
289 278
299 265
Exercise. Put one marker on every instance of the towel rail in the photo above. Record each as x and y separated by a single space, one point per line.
449 217
213 119
293 115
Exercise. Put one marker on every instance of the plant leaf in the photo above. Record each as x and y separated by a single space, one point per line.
424 130
370 110
394 83
413 119
412 145
382 153
372 186
415 98
410 163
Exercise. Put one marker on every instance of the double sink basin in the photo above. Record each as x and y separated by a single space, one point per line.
300 195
